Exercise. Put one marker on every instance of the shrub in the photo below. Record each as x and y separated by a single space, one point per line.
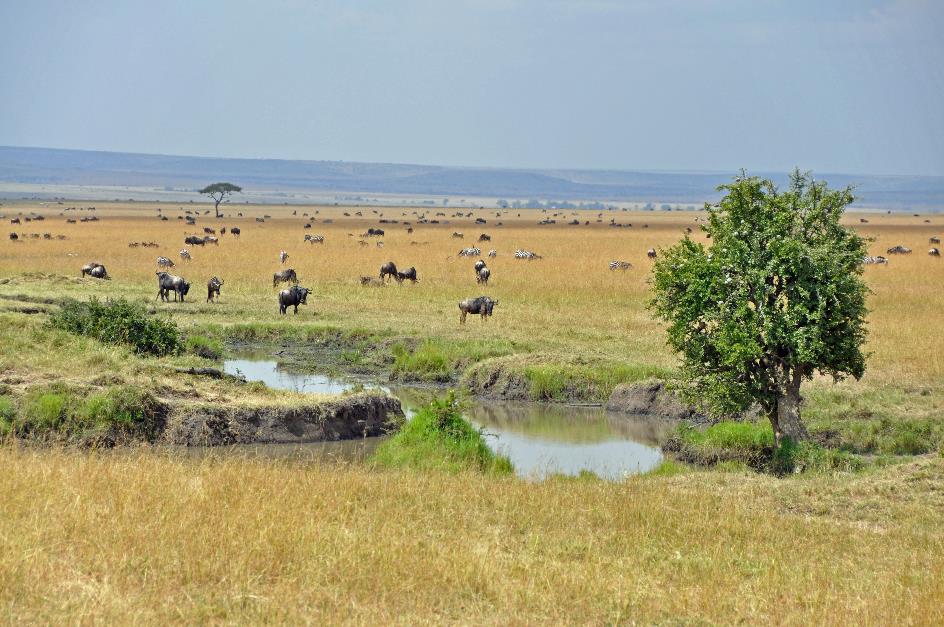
438 437
7 415
203 346
119 322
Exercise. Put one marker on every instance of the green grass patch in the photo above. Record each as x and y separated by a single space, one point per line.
206 347
590 382
439 438
119 321
443 360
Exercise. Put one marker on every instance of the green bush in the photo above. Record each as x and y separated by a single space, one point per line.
119 322
202 346
438 437
7 415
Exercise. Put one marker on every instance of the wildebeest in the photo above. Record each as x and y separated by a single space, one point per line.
95 270
651 253
283 256
483 275
372 232
14 237
235 231
898 250
209 231
165 262
293 296
479 265
194 240
409 274
457 235
934 252
260 219
315 239
167 283
934 240
388 269
284 276
493 253
482 305
213 289
485 237
185 254
223 230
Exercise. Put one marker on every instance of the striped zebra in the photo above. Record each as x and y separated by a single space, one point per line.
876 259
526 254
283 256
493 253
314 239
185 254
620 265
470 252
164 262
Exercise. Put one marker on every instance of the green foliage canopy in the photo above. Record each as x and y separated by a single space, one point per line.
776 296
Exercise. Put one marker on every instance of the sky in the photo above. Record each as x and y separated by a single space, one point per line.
851 86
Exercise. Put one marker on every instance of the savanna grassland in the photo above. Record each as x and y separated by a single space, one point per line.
151 536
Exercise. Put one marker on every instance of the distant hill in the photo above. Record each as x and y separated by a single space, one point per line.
80 167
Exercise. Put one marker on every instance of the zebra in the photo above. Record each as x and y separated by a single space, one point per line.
878 259
165 262
620 265
470 252
493 253
526 254
185 254
935 252
283 256
314 239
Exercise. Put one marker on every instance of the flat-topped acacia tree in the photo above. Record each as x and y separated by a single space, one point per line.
219 191
776 296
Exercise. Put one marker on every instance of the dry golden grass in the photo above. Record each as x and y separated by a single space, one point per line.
154 538
567 304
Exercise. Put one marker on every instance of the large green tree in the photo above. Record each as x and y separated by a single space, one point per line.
775 297
218 192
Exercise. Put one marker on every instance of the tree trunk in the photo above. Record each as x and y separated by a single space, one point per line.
217 208
786 422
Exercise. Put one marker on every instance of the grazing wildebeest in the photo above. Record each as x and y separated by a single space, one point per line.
482 305
209 231
308 225
457 235
479 265
260 219
483 275
92 269
485 237
293 296
284 276
235 231
167 283
863 221
878 259
409 274
213 289
14 237
934 252
651 253
372 232
898 250
934 240
389 269
164 262
283 256
185 254
194 240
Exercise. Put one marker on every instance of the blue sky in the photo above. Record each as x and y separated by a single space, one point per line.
834 86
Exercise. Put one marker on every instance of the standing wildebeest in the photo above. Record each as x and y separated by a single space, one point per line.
485 237
388 269
194 240
482 305
284 276
372 232
213 289
479 265
235 231
283 256
293 296
934 252
651 253
457 235
407 275
934 240
14 237
223 230
167 283
483 276
164 262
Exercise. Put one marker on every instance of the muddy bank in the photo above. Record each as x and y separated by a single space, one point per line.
651 398
344 418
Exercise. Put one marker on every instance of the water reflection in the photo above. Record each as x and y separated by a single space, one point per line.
539 438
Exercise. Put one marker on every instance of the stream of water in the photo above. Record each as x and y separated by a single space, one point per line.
539 438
